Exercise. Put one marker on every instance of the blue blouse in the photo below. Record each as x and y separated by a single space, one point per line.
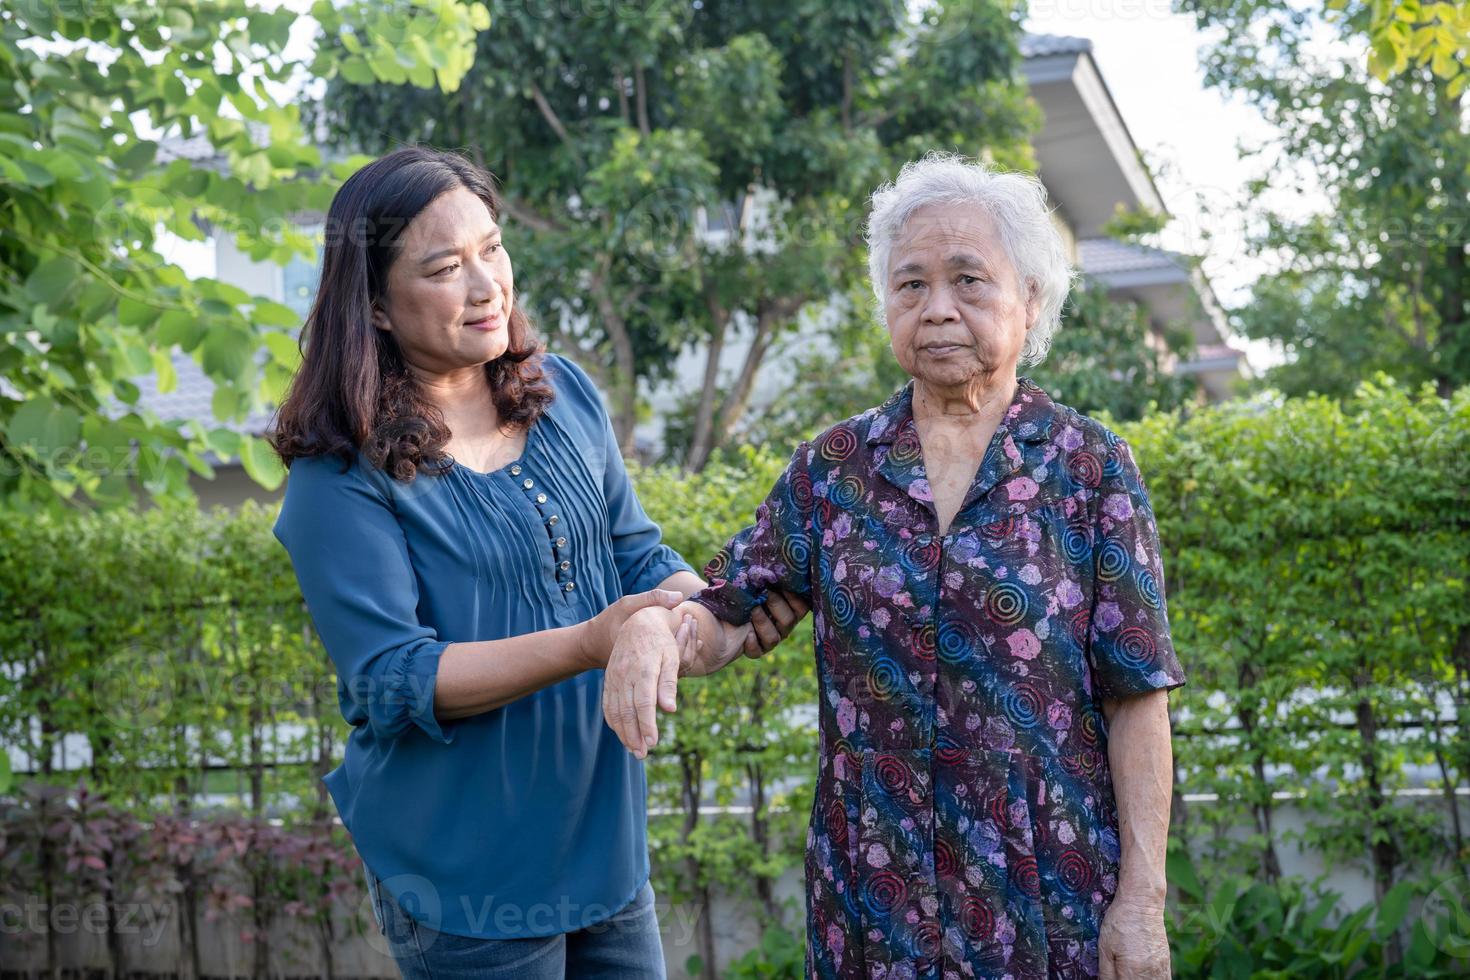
528 820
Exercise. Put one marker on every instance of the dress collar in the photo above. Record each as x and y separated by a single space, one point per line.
1028 419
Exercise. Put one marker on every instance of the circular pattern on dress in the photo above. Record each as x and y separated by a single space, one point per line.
847 491
949 752
1079 625
1077 542
906 448
945 864
928 939
1023 705
1089 725
884 678
1148 588
976 918
837 824
891 773
957 641
1005 603
801 490
883 892
922 556
1113 465
1025 875
1000 530
924 641
718 565
1086 468
999 812
1112 562
797 551
839 444
1074 874
1136 647
844 607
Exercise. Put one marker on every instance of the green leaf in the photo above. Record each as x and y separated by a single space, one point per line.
179 328
356 71
269 313
224 442
261 462
43 425
284 349
50 281
226 355
7 775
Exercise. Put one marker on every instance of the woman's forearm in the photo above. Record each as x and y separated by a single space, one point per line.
1142 762
480 676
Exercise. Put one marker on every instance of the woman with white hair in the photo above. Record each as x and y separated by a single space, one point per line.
991 635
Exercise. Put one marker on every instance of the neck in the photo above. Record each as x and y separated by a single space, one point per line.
462 396
987 396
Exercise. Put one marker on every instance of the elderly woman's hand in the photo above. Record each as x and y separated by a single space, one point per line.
1132 944
647 656
772 621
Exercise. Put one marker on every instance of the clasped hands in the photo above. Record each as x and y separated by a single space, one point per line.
656 646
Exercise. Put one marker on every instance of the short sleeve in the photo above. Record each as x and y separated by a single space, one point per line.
352 563
1130 648
774 552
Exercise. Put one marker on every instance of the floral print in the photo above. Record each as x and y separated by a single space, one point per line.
964 823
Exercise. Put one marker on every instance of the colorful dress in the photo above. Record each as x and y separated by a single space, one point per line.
964 823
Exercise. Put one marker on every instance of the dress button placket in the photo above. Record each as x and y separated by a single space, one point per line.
542 503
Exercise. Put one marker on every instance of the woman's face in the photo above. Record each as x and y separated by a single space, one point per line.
956 310
450 288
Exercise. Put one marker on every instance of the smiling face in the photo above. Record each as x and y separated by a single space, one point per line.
956 310
450 287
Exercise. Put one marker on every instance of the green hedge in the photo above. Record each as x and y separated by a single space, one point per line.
1317 560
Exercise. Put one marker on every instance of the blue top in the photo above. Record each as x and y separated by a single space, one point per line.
528 820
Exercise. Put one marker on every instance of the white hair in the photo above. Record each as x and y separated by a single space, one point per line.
1016 202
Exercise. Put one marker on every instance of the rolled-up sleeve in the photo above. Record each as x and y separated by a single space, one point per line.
1130 648
353 566
774 552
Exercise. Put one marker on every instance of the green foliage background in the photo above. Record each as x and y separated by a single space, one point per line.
1316 568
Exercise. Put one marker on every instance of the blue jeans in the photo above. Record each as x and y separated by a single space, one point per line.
624 946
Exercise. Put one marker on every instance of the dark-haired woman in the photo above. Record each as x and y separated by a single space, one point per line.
468 544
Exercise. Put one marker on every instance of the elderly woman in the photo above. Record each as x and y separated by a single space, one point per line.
991 636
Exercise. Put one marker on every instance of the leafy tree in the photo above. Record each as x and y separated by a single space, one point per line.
87 302
1379 280
1411 32
695 174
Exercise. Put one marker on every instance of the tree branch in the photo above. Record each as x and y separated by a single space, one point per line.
548 113
641 91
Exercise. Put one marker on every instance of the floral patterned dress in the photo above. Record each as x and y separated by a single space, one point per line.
964 823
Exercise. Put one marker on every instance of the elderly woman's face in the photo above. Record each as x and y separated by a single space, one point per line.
450 288
956 310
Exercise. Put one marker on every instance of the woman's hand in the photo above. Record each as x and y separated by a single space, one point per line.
645 664
772 621
1133 944
599 632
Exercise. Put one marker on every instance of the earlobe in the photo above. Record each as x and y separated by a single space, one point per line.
380 319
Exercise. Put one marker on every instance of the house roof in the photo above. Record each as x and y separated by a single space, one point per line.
1042 45
191 398
1109 257
1085 154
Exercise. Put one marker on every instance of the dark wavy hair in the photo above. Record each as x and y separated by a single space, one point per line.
353 391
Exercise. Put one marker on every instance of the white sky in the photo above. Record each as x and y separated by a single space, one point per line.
1189 134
